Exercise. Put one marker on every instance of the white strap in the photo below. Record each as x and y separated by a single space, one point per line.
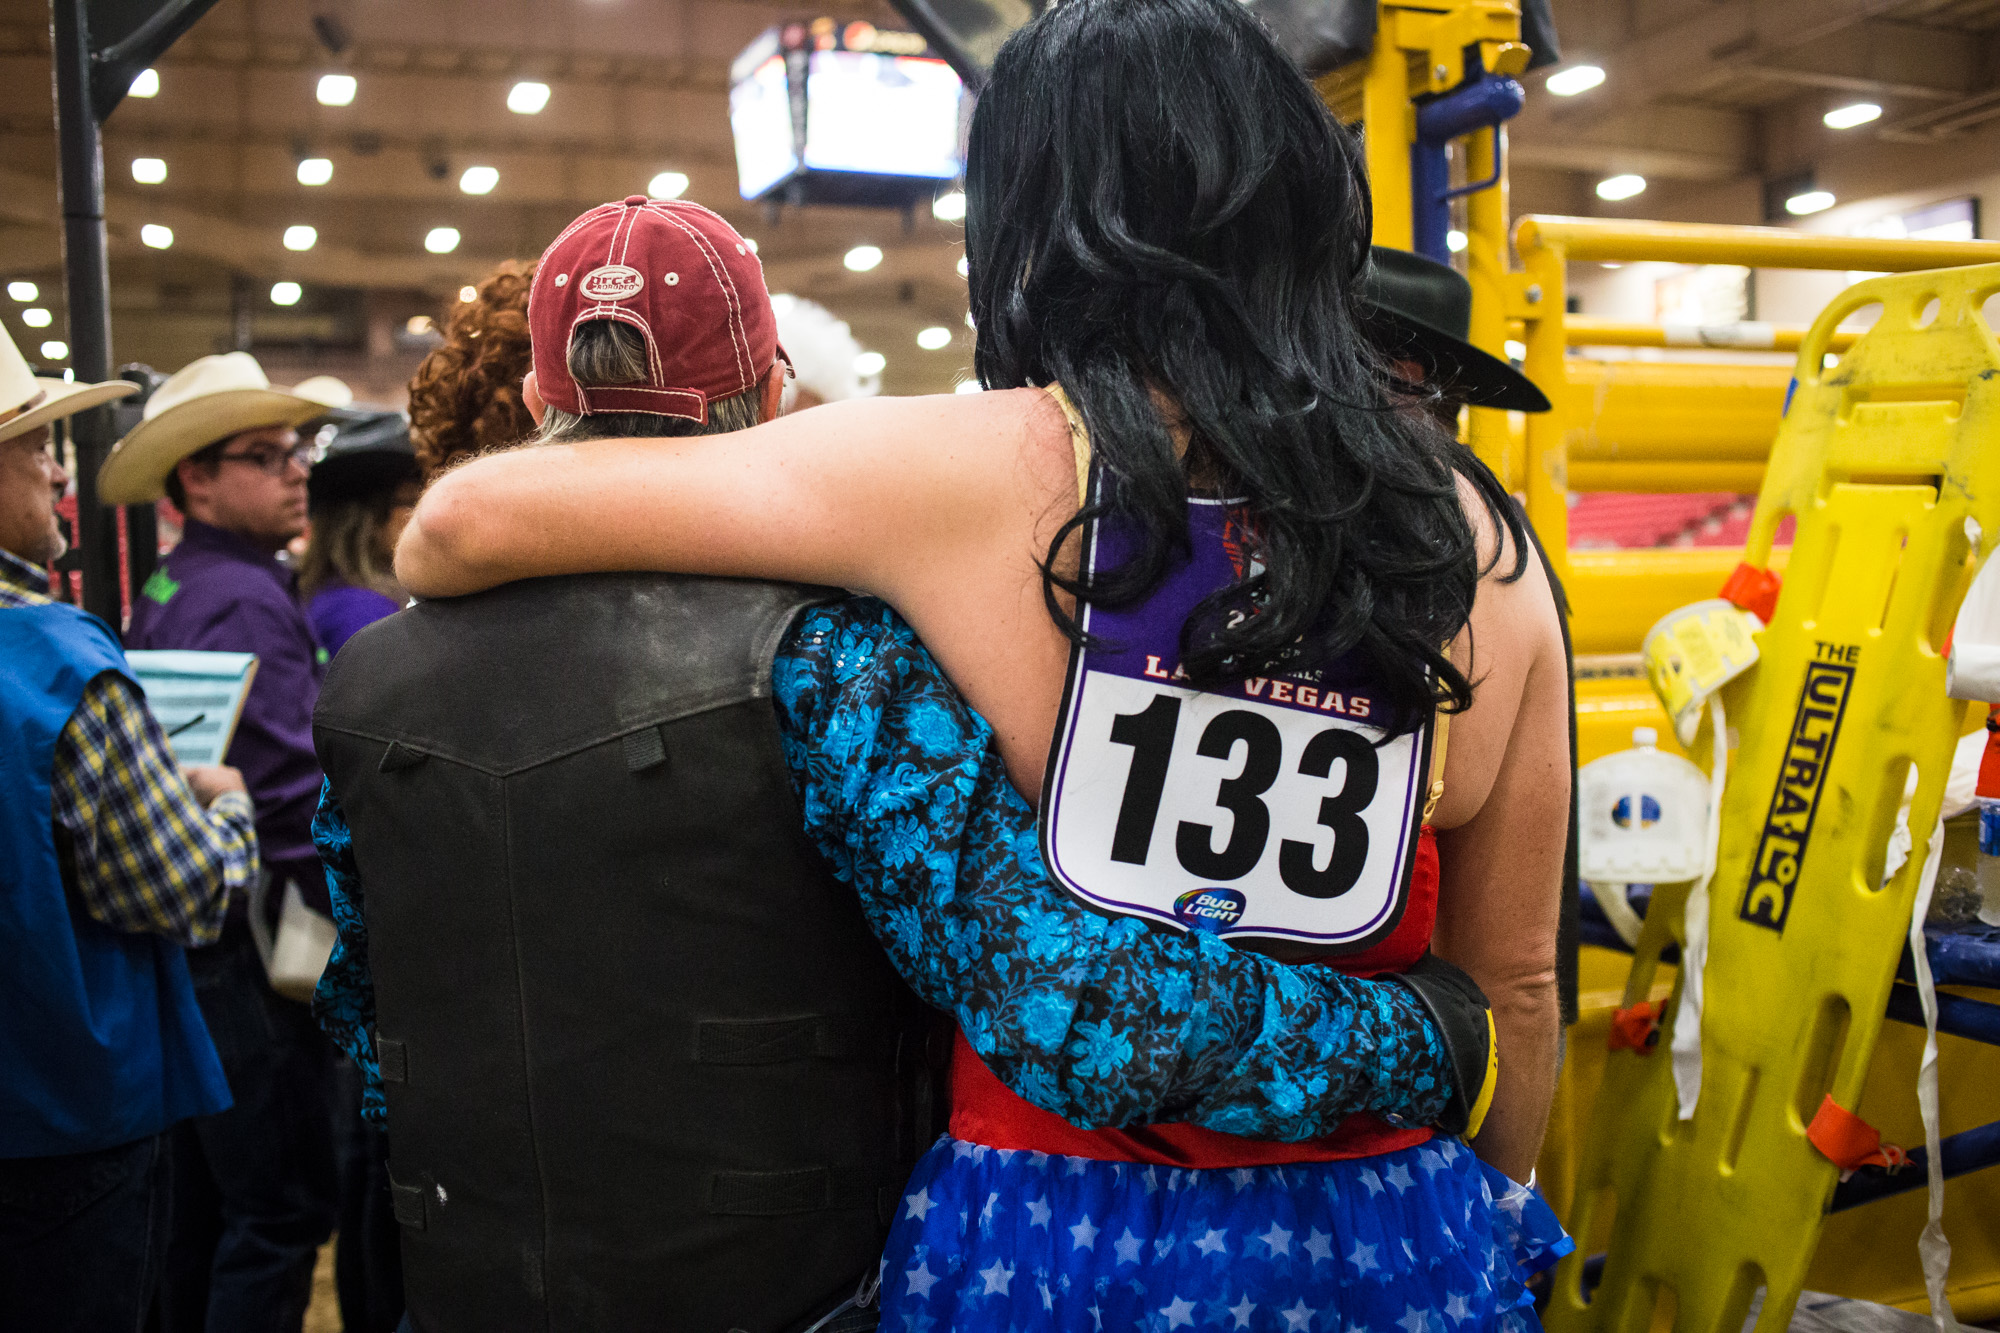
1932 1247
1694 954
1613 901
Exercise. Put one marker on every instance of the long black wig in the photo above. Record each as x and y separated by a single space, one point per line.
1163 217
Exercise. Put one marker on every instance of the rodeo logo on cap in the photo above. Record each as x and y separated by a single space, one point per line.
1211 910
613 282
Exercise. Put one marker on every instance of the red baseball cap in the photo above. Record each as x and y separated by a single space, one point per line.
677 273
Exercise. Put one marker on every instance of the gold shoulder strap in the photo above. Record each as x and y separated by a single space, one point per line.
1441 734
1079 440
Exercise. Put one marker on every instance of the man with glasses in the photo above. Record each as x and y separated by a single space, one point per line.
255 1185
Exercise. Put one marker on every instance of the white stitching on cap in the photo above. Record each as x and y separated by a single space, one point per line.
621 235
739 340
648 396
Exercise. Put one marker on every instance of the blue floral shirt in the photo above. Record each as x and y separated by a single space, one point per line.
1105 1021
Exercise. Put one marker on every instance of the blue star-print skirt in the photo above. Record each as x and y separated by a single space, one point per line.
1425 1240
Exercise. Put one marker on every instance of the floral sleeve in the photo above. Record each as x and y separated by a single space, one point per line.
1105 1021
344 1000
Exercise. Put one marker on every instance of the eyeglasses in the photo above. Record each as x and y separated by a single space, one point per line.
274 461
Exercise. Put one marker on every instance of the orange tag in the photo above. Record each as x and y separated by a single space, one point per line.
1989 760
1850 1142
1637 1028
1754 590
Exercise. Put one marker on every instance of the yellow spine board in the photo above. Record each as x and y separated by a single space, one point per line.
1883 458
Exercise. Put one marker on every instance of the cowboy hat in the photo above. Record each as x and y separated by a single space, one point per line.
206 401
28 400
1422 309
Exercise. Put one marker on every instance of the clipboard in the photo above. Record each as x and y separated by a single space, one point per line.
197 698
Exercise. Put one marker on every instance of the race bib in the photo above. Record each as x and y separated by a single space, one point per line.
1269 809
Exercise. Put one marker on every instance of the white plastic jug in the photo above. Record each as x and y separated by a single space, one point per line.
1642 819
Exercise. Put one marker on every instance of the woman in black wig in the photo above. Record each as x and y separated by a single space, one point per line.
1199 536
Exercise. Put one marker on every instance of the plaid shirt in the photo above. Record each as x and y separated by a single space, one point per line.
147 856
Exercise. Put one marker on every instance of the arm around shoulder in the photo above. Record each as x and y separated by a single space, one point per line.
844 494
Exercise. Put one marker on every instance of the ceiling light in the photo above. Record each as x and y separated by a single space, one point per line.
315 171
870 363
964 267
336 89
966 386
148 170
526 98
862 258
1812 201
949 207
286 293
933 338
418 325
145 84
1454 240
55 351
1516 351
155 236
467 295
1620 187
1576 79
23 291
1847 117
479 180
668 185
968 322
37 318
300 237
441 240
751 241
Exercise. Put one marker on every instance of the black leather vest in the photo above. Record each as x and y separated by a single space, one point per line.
646 1067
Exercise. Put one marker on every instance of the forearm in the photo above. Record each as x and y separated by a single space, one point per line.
1103 1021
1116 1022
148 857
1529 1027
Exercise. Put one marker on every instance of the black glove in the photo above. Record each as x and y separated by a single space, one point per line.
1465 1022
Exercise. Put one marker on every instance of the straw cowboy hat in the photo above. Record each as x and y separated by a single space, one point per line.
28 400
209 400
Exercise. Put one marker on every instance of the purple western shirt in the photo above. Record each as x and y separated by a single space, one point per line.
218 592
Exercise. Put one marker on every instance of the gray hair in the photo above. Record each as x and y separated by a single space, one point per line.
606 352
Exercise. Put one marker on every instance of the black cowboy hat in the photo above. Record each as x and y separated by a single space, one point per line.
1421 309
369 454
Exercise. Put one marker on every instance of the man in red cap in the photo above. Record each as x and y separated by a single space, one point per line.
629 843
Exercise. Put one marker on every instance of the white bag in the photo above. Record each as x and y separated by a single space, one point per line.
294 960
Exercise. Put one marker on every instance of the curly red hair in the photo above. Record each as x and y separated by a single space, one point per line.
466 397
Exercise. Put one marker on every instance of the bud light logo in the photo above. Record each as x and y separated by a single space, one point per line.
613 282
1212 910
1649 812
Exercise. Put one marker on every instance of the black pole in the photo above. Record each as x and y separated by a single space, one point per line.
87 275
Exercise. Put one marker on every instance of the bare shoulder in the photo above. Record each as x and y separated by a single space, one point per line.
955 436
1511 650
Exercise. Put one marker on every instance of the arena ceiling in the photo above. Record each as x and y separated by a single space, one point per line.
1708 99
637 88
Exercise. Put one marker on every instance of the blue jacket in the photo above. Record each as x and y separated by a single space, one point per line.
101 1042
